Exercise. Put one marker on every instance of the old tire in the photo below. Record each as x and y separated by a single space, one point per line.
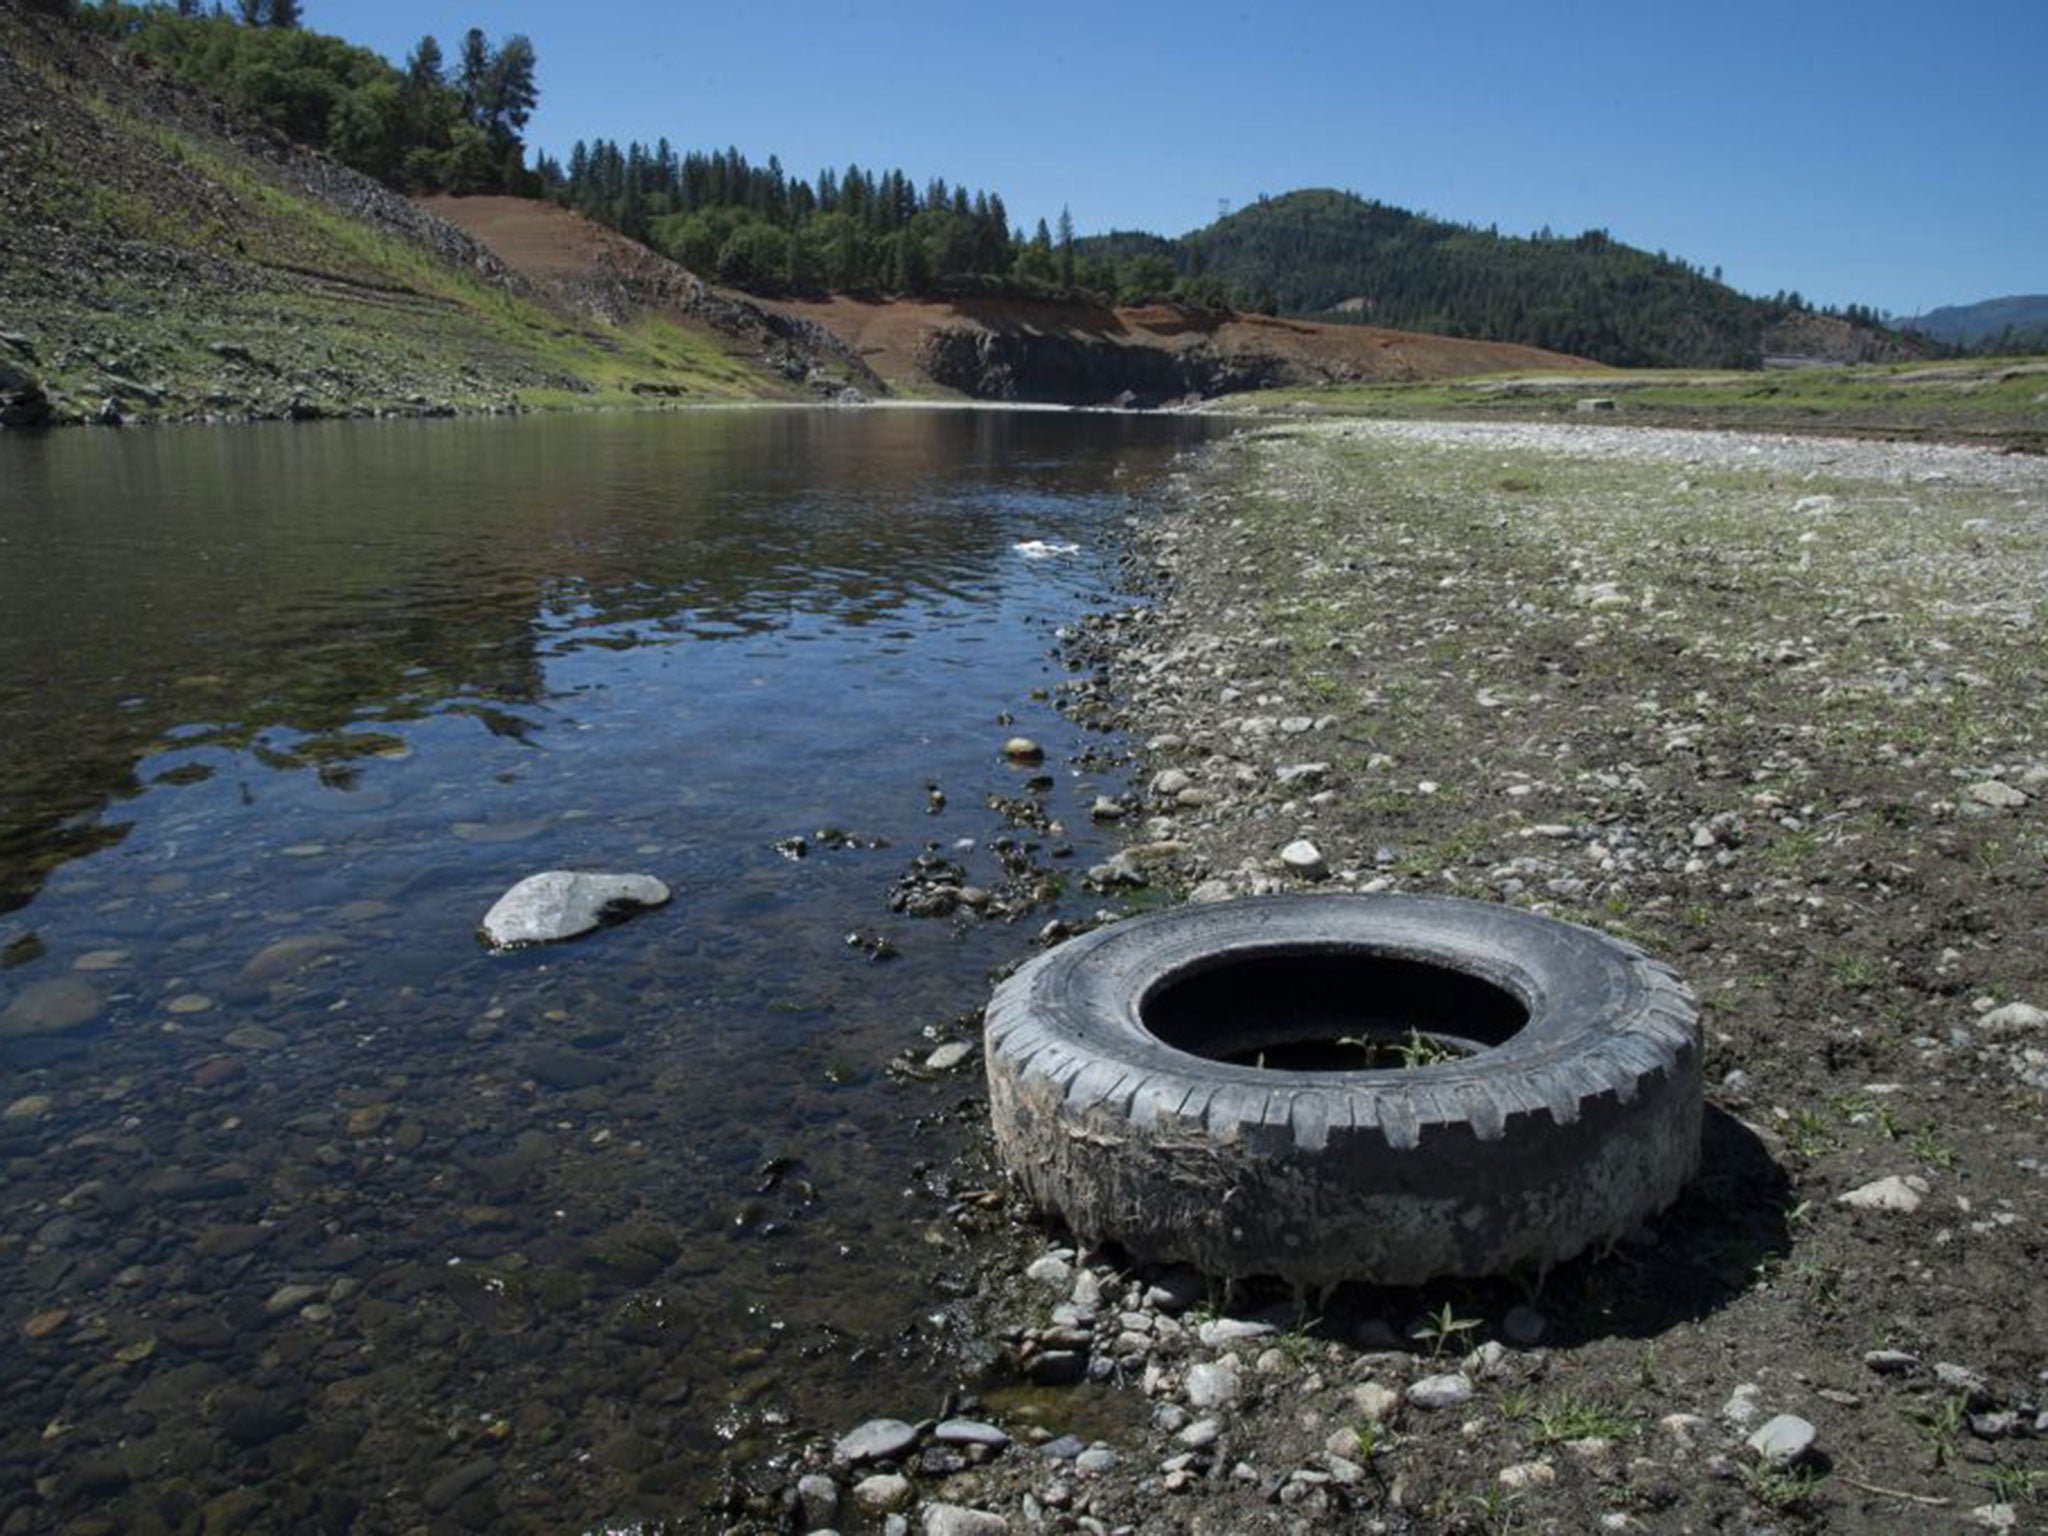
1576 1116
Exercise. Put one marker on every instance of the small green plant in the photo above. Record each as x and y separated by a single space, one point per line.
1496 1511
1439 1329
1858 972
1808 1133
1646 1367
1571 1417
1418 1050
2017 1485
1784 1490
1931 1149
1941 1425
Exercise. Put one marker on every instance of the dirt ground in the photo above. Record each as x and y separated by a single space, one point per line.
1773 708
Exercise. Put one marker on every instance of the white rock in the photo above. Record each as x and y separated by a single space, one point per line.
1221 1332
958 1520
1744 1405
1200 1434
1448 1391
1783 1440
1050 1270
1526 1474
948 1056
1212 1386
1303 858
1997 794
969 1432
1170 782
1893 1193
1375 1402
1995 1517
2013 1021
561 903
1022 749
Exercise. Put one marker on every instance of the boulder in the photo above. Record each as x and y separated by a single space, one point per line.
560 904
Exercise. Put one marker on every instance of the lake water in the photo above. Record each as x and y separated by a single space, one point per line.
319 1216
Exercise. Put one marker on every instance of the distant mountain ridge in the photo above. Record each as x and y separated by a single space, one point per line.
2021 316
1336 255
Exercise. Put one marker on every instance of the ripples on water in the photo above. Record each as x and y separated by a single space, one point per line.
318 1216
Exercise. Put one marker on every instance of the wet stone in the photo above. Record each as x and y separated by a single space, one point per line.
52 1007
448 1489
876 1440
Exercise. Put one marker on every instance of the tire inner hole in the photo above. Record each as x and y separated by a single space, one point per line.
1319 1010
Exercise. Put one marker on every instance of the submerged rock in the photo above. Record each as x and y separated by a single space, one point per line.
560 904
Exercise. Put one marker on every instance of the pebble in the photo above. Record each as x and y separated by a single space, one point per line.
1783 1441
53 1007
1303 858
30 1106
1688 1429
876 1440
1891 1362
818 1496
1744 1404
1051 1269
1902 1195
1525 1475
958 1520
43 1324
1376 1402
1095 1461
970 1432
1201 1434
1022 749
1995 1517
882 1493
1447 1391
1221 1332
948 1056
1170 782
1212 1386
1997 794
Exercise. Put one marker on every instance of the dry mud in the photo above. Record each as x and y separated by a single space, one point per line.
1771 707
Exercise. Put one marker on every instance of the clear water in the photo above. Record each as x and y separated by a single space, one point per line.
309 1199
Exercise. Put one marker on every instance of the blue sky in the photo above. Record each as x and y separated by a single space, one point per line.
1876 152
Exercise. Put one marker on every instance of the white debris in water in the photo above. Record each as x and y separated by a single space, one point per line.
1045 549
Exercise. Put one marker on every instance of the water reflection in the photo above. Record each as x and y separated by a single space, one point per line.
313 1200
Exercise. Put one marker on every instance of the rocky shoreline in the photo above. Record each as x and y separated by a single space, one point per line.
1772 707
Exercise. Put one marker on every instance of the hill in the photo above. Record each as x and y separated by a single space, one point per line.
992 346
1327 253
2018 323
162 259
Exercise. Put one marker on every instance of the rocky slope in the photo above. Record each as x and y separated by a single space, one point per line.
161 261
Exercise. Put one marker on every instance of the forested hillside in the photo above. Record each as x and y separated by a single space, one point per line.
434 126
1336 255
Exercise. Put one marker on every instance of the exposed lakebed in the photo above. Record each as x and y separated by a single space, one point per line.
318 1213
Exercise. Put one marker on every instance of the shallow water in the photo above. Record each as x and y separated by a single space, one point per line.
319 1216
